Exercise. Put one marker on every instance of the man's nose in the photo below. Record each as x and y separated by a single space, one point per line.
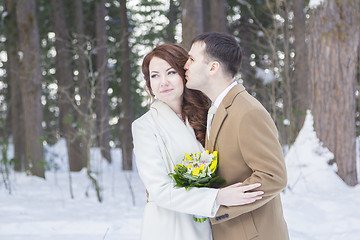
186 65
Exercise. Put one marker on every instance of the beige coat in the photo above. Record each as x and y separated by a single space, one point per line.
246 138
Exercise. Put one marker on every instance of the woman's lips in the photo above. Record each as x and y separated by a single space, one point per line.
166 91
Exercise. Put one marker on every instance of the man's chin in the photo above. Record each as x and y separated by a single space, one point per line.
191 86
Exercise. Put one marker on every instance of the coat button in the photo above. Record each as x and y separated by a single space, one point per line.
226 215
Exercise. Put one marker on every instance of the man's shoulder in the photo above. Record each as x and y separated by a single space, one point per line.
245 102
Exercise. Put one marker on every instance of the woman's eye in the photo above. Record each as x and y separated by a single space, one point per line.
172 72
153 76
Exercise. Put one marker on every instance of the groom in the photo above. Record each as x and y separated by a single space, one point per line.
245 136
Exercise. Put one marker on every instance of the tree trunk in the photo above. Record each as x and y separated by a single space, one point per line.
102 100
17 115
126 136
288 111
83 115
333 43
218 16
206 15
247 71
192 21
63 63
30 78
301 98
172 23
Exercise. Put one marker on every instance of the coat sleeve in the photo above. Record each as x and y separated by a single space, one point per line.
261 150
154 174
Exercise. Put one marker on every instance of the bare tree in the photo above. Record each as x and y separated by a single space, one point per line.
17 114
301 97
288 105
63 63
126 136
333 45
102 99
218 16
30 78
171 15
206 15
83 84
192 20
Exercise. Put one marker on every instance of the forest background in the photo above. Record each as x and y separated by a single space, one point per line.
71 69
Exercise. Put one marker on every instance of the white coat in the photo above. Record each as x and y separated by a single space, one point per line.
160 140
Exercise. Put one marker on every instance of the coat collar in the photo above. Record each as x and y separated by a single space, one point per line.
221 115
175 138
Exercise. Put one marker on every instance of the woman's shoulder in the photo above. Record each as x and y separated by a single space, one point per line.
145 119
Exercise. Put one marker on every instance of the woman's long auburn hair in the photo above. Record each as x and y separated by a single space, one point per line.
195 104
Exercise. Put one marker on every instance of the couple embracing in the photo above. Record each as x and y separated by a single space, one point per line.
197 105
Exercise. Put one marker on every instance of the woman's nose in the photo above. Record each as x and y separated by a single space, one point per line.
164 81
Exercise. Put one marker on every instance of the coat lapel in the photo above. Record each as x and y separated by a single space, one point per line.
221 115
176 137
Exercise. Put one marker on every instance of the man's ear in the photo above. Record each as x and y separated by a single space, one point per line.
214 67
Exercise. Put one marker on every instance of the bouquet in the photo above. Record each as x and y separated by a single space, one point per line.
197 170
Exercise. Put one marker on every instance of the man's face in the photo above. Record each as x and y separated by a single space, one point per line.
197 67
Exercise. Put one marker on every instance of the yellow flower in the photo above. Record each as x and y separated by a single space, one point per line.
188 157
188 166
202 167
213 166
181 165
207 151
196 172
215 153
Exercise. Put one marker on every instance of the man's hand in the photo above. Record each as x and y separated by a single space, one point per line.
237 194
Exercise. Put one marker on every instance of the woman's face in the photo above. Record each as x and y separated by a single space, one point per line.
166 84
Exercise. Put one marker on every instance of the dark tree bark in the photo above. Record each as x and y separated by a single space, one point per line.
192 21
333 45
17 114
287 97
218 16
206 15
30 78
102 99
83 115
63 63
301 98
172 23
126 136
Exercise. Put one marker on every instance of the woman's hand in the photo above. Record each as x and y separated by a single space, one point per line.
237 194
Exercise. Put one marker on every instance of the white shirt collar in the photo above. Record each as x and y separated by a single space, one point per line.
218 100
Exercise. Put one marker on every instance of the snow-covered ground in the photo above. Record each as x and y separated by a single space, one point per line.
317 204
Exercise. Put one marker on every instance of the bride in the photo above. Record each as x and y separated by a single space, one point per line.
174 125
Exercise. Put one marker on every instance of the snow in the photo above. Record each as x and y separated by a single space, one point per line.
317 204
315 3
41 209
266 75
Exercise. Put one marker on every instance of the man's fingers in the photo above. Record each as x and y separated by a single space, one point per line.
250 187
238 184
253 194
